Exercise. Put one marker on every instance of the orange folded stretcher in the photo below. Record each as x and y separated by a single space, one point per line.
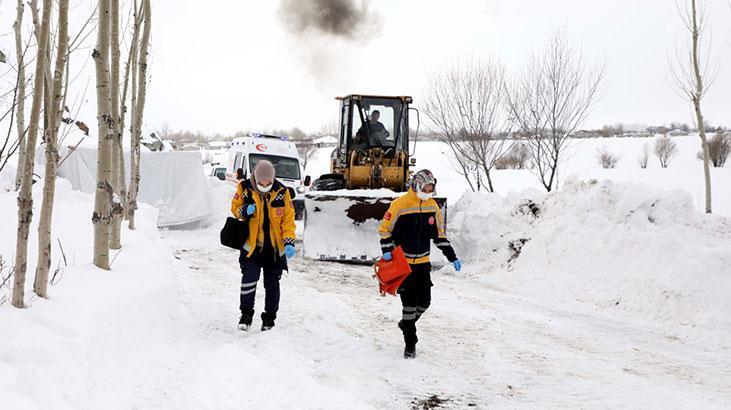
391 274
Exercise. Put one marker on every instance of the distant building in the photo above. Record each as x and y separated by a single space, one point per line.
677 133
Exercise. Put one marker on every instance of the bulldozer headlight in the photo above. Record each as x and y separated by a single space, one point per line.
301 189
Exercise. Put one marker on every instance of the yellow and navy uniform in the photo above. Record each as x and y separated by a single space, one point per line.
280 219
413 223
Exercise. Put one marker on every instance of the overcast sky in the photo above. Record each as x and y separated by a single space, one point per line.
228 65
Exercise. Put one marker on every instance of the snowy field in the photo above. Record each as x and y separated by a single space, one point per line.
615 293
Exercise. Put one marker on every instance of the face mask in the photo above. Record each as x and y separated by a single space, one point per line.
264 189
424 196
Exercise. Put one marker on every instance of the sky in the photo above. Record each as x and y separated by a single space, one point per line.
220 66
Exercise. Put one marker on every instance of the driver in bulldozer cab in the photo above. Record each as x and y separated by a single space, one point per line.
372 134
360 143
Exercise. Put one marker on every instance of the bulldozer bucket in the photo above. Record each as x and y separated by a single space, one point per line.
343 225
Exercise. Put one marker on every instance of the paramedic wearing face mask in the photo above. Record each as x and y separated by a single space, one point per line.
412 222
266 204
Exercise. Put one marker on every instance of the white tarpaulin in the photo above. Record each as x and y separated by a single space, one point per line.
173 182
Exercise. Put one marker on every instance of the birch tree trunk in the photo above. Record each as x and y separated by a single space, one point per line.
116 212
139 108
105 122
25 197
134 160
20 108
699 93
131 62
47 56
688 74
40 284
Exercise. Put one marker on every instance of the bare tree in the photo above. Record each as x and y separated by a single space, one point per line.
105 121
305 150
693 75
665 149
20 109
612 130
551 100
606 159
25 196
50 139
465 103
4 279
138 111
644 156
719 148
129 67
516 158
135 134
117 179
9 144
47 65
521 154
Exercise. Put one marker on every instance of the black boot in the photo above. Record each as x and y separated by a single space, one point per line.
410 351
246 318
409 330
267 320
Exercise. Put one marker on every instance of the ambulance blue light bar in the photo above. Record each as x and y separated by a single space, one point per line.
258 135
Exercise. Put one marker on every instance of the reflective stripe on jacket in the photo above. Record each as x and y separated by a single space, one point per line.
412 224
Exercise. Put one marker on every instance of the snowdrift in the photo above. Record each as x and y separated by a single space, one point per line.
632 247
72 351
173 182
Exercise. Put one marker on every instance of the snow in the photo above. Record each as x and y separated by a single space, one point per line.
75 350
328 212
619 297
627 248
324 217
495 336
7 178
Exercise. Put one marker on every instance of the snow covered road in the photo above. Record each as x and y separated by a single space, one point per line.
160 332
336 345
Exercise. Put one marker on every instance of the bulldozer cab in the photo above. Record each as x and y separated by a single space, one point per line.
373 146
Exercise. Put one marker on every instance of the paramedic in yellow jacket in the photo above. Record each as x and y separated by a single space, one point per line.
413 221
266 204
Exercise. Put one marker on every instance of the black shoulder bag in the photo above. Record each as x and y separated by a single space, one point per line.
234 233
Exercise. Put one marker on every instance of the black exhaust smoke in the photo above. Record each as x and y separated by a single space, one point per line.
345 19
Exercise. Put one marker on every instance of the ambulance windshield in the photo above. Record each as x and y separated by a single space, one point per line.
285 167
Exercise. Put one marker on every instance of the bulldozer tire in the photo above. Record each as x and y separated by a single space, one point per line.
329 182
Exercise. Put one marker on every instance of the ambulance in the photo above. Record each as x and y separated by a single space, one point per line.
244 153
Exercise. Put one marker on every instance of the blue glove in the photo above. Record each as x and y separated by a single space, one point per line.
289 251
457 265
250 209
387 256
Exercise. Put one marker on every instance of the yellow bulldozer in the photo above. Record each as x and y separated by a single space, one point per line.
368 168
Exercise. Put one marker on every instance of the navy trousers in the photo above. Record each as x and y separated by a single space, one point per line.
415 294
251 270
